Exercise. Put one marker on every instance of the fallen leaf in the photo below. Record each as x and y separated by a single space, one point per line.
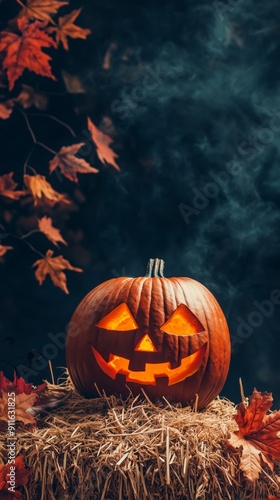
54 266
22 403
25 51
53 234
21 478
19 386
41 189
102 142
8 186
6 109
41 9
67 28
4 249
258 434
29 97
69 164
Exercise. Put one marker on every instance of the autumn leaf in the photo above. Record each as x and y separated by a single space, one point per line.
102 142
69 164
6 109
25 51
258 434
53 234
22 403
67 28
19 386
54 266
8 186
41 9
29 97
21 478
41 189
4 249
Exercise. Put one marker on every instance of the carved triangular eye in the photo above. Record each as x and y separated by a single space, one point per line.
182 322
119 319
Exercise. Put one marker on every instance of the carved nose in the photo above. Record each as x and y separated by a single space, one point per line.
146 345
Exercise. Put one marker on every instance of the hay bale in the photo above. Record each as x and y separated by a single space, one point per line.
107 448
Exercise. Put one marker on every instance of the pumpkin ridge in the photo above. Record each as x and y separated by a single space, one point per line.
204 323
214 308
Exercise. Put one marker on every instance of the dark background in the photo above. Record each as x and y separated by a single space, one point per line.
215 100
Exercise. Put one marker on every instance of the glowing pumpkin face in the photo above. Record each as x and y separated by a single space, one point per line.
167 335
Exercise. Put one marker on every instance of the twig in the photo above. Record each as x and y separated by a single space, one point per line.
33 136
51 117
30 233
24 241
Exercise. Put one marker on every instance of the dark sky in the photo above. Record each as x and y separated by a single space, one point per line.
193 94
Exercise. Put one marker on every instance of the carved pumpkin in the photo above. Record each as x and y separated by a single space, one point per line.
168 336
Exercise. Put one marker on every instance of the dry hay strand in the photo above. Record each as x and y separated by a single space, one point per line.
109 448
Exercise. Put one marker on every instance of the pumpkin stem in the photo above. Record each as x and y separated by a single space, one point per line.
155 268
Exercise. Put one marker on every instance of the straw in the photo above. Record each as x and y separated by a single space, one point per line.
109 448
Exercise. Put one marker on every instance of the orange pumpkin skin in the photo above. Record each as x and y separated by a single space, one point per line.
168 336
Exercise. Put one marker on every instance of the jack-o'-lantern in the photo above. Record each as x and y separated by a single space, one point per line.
168 336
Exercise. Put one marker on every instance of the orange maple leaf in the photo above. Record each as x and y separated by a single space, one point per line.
54 266
41 9
4 249
6 109
53 234
23 402
8 186
21 478
67 28
102 142
41 189
24 52
258 434
69 164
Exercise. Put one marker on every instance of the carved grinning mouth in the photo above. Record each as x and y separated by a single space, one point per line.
119 365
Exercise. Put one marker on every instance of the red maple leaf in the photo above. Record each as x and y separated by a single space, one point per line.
19 386
258 434
69 164
25 51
